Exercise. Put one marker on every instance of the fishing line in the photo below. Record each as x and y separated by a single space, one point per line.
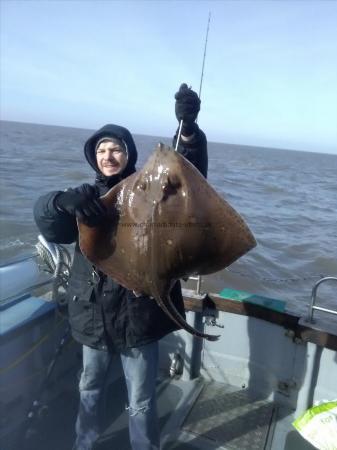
201 79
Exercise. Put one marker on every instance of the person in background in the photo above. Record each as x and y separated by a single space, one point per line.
106 318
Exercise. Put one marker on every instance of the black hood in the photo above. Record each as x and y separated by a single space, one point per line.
114 131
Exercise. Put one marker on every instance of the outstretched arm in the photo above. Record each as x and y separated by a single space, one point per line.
192 143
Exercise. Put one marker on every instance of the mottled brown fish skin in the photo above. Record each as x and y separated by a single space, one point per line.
164 223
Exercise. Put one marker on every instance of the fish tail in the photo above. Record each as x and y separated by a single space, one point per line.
169 308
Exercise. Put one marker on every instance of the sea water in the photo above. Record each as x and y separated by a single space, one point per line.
288 198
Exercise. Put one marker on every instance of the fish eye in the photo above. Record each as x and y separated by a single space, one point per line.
174 181
142 185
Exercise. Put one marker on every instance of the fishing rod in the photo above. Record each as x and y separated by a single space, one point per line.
201 79
204 58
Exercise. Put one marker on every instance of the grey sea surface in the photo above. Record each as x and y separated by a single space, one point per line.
288 198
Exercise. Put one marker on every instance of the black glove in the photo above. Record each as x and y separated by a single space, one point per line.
187 108
84 204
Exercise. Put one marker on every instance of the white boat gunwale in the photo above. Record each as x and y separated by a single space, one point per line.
319 333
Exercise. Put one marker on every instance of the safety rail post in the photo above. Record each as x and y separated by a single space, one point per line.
312 306
198 280
192 345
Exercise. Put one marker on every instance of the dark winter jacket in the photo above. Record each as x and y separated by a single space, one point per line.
102 313
195 150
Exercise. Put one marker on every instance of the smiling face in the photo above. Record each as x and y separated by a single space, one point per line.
111 158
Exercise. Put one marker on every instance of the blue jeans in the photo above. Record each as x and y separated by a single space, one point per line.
140 366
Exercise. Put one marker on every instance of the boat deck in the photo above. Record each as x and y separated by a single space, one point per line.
194 415
263 345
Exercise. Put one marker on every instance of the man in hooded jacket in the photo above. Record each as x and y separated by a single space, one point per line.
105 317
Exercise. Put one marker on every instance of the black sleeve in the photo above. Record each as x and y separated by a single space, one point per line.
195 150
55 226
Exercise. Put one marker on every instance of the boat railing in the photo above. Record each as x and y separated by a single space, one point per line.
312 306
19 277
198 280
48 266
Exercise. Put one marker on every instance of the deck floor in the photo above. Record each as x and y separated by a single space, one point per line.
193 416
229 417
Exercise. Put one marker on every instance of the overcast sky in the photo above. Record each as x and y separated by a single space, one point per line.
270 76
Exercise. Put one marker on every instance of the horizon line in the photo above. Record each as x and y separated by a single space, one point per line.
167 137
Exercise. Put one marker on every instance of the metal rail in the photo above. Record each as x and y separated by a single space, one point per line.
198 280
312 305
18 259
52 259
23 293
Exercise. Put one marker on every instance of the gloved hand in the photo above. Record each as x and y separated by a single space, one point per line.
84 205
187 108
